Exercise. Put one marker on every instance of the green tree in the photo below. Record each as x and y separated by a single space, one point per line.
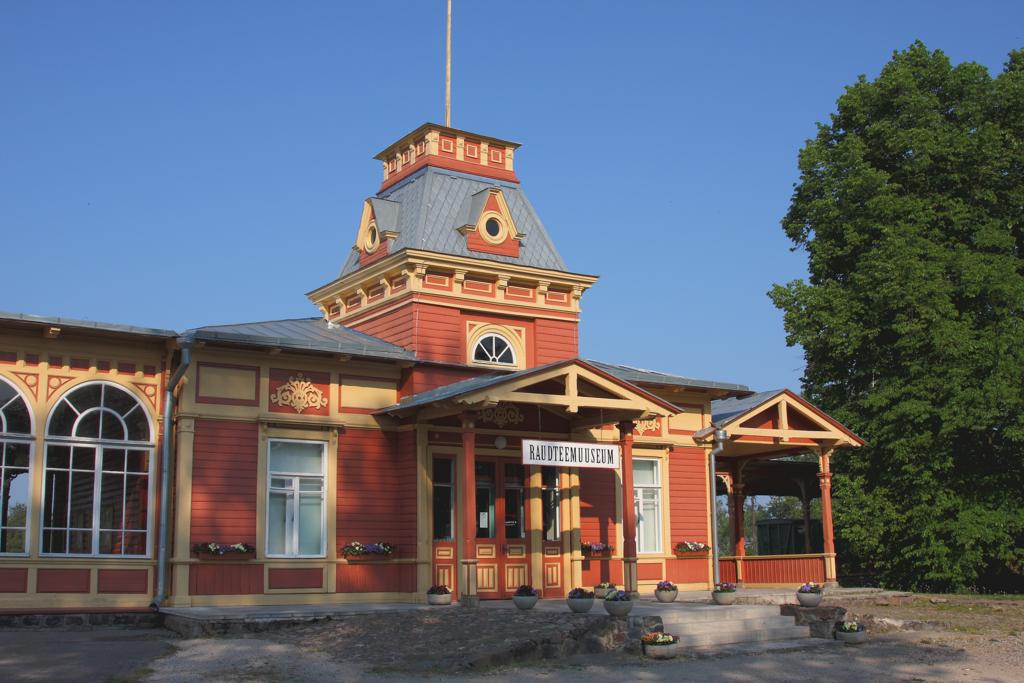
910 207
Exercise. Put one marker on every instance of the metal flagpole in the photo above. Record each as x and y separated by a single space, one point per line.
448 71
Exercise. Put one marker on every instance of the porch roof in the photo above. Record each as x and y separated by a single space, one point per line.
769 424
570 385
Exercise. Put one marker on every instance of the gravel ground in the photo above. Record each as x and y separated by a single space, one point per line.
956 639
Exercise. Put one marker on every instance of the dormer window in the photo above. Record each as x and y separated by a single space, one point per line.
493 228
372 240
494 349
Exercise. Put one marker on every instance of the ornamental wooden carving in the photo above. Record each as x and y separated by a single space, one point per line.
502 415
644 426
299 393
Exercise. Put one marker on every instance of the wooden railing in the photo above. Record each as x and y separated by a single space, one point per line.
773 570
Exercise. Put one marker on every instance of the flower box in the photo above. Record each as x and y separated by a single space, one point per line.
595 549
357 552
226 557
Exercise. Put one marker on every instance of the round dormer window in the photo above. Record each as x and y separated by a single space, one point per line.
493 228
372 239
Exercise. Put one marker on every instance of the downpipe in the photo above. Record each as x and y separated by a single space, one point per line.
720 438
165 475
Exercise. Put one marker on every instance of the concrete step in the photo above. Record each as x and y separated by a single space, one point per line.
717 638
715 613
730 626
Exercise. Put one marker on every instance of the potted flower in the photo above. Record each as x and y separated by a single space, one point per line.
596 549
580 600
660 645
851 632
617 603
724 593
692 548
224 551
666 591
371 551
809 594
439 595
601 589
526 596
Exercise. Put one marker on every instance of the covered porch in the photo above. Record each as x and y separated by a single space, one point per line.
517 521
778 444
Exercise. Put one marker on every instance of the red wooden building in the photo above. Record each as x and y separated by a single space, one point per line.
438 405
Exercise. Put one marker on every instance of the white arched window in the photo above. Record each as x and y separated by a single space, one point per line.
494 349
97 484
15 459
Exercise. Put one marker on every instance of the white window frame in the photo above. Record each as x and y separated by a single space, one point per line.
29 439
638 507
99 446
292 534
493 363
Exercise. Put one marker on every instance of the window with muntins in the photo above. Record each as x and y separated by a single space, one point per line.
97 483
296 525
15 456
647 502
551 499
444 499
494 349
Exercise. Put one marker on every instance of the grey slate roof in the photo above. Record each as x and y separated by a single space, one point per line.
725 409
310 334
635 375
86 324
427 208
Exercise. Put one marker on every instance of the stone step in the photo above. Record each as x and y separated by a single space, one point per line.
716 612
715 638
729 626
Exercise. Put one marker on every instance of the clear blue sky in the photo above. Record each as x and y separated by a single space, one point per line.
176 164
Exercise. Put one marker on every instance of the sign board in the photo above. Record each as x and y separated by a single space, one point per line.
570 454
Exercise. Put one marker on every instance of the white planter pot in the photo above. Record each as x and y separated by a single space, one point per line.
524 601
618 608
663 651
580 605
439 599
809 599
666 596
852 638
724 598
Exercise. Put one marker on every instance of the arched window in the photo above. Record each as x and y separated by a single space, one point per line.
96 487
494 349
15 456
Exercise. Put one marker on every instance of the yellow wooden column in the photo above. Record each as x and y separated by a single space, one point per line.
181 550
535 533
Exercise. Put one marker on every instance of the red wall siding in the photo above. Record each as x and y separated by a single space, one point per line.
555 340
377 489
647 571
439 333
424 378
727 571
13 580
122 581
295 578
395 327
221 578
62 581
597 506
689 570
599 571
376 577
689 499
224 482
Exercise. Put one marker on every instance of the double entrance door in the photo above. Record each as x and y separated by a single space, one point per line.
502 537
